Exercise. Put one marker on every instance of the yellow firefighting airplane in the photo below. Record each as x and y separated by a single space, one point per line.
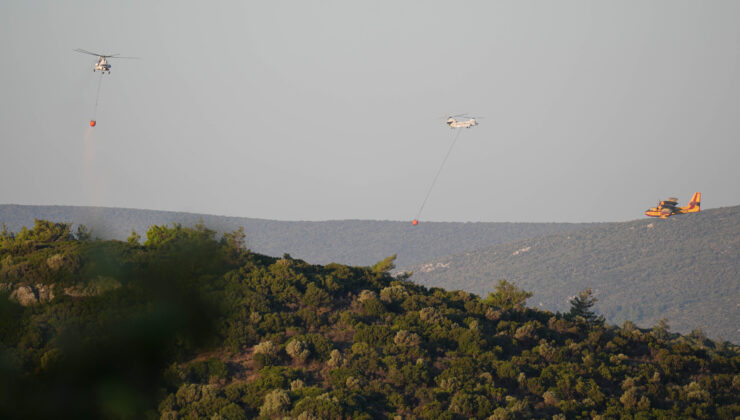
668 207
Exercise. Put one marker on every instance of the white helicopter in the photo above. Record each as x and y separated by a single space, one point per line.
102 64
453 122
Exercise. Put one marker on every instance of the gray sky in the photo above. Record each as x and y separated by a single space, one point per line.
333 109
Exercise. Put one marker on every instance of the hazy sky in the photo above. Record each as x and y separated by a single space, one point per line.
334 109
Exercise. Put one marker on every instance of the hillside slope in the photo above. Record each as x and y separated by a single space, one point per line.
684 268
184 326
354 242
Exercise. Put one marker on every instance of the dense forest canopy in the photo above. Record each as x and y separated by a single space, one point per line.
186 325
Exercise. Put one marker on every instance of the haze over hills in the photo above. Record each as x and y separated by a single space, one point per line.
684 268
354 242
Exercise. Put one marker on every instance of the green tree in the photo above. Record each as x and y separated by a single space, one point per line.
507 295
276 401
160 235
235 240
46 231
83 233
385 266
580 306
6 236
660 330
134 238
316 296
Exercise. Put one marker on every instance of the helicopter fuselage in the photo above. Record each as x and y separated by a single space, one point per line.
453 123
102 65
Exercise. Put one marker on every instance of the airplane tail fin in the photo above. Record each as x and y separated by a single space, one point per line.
695 203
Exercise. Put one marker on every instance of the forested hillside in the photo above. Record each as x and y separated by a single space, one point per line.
685 269
355 242
181 325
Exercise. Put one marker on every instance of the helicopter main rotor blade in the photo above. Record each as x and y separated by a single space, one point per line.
80 50
444 117
116 56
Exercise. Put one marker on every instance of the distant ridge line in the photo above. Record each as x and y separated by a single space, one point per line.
353 242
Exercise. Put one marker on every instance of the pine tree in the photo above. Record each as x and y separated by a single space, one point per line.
385 266
580 306
508 296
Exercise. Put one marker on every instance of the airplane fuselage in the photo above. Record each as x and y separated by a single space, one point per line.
669 208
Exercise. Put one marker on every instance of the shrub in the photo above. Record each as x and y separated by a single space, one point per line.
373 307
353 382
267 348
494 314
551 399
335 359
366 295
694 392
55 262
321 407
266 353
298 350
233 412
525 332
431 315
187 394
501 413
393 293
404 338
276 401
217 368
318 345
629 398
316 297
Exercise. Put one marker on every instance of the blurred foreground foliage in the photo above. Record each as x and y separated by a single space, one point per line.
185 325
